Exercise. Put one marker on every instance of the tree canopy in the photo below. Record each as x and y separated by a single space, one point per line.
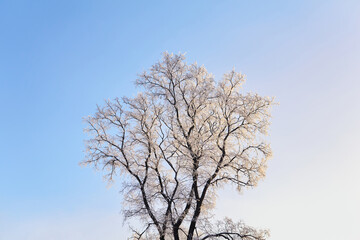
176 143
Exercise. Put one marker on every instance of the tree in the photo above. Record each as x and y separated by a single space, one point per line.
176 143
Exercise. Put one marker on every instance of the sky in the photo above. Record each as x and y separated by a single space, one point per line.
59 59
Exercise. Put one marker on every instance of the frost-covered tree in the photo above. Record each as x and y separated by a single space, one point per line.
176 143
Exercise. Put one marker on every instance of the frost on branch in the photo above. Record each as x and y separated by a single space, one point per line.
177 142
227 229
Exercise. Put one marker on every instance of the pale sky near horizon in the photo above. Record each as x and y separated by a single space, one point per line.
58 59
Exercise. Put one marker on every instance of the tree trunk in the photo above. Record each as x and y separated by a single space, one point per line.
176 234
193 222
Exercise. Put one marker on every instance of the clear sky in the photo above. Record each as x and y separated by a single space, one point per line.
58 59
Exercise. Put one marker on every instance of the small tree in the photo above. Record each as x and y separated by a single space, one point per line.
176 143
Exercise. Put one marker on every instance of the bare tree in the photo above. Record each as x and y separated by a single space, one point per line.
176 143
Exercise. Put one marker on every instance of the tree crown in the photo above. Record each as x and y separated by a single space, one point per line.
177 142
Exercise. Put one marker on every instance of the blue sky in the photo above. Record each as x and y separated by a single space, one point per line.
58 59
